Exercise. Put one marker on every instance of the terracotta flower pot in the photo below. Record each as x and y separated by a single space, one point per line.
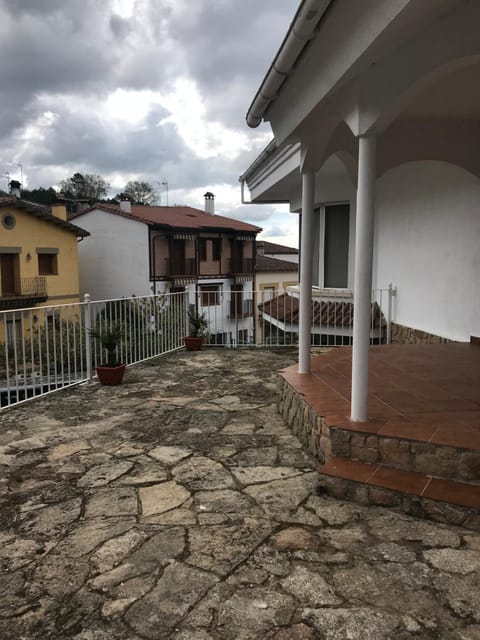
111 375
193 343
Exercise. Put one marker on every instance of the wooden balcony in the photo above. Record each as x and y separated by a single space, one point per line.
240 266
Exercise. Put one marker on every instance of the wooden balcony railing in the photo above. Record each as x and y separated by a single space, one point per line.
241 265
176 267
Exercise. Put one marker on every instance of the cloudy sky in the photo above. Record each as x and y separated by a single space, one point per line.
140 89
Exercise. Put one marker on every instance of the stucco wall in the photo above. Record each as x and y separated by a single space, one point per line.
30 234
427 241
114 259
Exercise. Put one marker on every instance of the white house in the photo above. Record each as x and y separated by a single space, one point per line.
375 110
143 250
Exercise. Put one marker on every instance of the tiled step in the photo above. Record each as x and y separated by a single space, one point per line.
446 451
418 494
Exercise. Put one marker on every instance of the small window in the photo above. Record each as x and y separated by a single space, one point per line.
47 264
218 339
8 221
210 294
268 293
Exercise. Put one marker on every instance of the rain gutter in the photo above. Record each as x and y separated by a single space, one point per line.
300 32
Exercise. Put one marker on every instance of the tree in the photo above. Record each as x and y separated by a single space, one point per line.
85 185
40 195
141 192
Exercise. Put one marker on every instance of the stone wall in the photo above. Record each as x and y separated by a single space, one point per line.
417 506
406 335
304 422
410 455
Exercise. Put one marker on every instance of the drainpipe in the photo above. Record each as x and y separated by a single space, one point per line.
242 189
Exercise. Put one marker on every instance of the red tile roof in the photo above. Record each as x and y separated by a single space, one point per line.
325 313
43 212
265 263
175 217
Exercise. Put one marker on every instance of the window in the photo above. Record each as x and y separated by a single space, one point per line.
268 293
47 264
243 337
216 248
218 338
203 252
202 249
8 221
236 301
209 294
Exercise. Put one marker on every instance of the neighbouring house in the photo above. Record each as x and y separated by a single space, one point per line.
38 259
278 251
143 250
273 276
375 111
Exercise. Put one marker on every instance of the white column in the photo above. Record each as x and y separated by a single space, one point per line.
306 266
363 275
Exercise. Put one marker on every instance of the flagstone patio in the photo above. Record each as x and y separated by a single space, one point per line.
180 506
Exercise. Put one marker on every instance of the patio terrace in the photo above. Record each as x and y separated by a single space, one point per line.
419 450
179 505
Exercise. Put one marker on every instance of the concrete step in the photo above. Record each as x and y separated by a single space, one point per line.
417 494
444 452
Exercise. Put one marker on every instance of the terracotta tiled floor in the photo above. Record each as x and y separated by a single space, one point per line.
422 392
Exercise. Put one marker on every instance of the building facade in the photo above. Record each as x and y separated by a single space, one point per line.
144 250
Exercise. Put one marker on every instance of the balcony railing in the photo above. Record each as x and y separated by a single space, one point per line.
240 265
176 267
35 287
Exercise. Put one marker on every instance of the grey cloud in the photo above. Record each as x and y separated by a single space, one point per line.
120 26
59 49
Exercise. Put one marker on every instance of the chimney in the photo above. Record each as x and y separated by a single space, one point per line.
125 203
81 204
59 208
15 188
209 203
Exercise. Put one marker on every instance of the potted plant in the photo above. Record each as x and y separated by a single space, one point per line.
197 329
110 372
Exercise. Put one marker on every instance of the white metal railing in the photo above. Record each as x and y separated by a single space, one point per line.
43 349
263 319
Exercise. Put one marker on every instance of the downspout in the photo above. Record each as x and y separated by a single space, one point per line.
242 189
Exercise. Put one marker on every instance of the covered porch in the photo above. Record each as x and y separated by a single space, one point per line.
419 449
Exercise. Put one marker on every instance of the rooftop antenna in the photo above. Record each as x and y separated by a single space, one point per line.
164 183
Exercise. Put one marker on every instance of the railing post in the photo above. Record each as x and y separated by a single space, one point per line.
391 293
306 255
88 336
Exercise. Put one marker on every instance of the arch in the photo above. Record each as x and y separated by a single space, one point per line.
452 141
418 87
338 141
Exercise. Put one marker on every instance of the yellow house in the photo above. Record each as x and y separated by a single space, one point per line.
38 255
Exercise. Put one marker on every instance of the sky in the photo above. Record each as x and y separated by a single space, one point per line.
152 90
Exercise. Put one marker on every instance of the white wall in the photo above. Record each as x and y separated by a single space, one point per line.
113 260
427 241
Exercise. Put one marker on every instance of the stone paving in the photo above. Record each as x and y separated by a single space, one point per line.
178 505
